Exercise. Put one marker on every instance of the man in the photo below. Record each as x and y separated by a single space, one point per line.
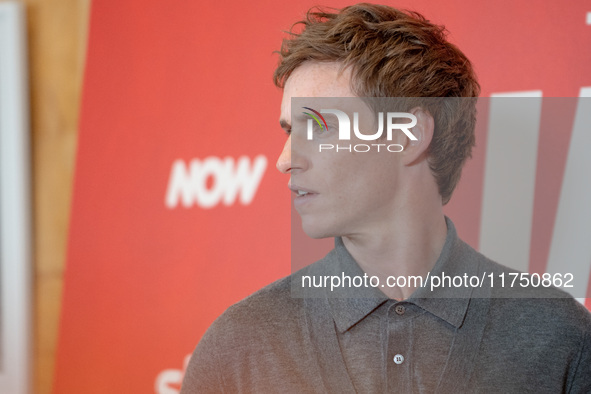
385 210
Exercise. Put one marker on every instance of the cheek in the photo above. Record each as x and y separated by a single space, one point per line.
377 173
347 175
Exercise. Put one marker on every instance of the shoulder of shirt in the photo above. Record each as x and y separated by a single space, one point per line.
548 305
271 306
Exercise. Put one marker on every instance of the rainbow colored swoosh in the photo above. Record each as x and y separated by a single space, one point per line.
316 115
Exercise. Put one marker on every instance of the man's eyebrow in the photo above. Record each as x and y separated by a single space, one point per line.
284 124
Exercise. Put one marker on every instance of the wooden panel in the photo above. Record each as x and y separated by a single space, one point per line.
57 45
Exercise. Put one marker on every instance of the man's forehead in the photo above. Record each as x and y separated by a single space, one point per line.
319 79
314 80
299 107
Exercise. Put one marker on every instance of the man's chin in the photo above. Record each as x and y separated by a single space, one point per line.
318 232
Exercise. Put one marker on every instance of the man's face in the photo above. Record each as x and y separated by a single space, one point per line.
348 194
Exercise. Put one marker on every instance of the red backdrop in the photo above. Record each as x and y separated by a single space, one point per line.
179 104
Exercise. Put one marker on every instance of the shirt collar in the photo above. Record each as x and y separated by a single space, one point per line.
351 305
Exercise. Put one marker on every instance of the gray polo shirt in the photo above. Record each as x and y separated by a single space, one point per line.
285 338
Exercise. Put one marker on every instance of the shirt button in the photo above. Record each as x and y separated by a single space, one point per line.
400 309
399 359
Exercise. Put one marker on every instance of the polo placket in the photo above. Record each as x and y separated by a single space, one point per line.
399 348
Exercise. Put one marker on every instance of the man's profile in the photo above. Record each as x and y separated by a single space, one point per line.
385 211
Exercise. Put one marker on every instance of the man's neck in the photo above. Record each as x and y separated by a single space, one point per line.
409 246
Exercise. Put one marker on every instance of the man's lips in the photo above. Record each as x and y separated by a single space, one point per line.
300 191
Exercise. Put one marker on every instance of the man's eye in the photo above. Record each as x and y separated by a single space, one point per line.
318 128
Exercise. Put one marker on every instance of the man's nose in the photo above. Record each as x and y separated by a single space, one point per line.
284 160
293 159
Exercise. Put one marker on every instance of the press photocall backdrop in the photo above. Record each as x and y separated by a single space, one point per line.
178 210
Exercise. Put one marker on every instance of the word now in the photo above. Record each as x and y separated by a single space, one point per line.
228 179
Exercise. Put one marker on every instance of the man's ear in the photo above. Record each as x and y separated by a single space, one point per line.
415 151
